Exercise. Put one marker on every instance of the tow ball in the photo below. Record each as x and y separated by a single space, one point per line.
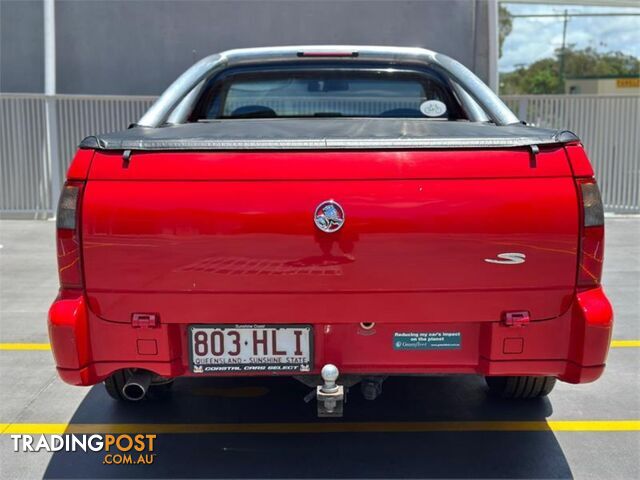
330 395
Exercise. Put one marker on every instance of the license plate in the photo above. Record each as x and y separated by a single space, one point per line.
250 348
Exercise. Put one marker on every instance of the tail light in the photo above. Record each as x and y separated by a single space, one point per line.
68 236
592 235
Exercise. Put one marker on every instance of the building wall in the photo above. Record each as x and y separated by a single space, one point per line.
603 86
21 46
138 47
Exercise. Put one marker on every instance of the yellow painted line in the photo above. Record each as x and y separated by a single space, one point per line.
46 346
25 346
346 427
625 343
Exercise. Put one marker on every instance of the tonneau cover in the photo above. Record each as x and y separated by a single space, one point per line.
326 133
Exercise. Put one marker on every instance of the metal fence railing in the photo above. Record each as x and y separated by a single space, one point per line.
25 173
80 116
608 124
25 183
609 127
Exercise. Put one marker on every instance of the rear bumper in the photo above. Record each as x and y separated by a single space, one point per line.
572 347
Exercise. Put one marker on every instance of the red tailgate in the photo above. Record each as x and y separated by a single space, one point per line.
230 237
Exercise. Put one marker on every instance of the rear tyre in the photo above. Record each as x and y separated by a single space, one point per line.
114 385
520 387
160 391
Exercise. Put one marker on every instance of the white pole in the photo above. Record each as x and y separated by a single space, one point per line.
493 44
49 47
53 159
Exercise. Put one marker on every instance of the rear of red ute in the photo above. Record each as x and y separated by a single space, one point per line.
335 215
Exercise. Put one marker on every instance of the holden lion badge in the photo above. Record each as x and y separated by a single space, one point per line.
329 216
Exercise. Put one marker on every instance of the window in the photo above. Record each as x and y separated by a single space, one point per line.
304 93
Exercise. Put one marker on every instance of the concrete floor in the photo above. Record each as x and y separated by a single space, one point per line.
31 393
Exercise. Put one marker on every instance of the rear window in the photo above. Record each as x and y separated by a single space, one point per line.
324 93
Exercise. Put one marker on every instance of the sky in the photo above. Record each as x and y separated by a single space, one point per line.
532 39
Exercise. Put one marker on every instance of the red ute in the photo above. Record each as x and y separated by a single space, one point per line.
370 210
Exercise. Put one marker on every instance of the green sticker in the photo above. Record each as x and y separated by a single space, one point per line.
427 340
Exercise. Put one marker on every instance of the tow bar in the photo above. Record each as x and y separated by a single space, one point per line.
330 396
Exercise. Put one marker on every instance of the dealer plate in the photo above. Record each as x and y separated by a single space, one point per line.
250 348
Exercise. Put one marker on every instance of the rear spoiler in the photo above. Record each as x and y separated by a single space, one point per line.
327 134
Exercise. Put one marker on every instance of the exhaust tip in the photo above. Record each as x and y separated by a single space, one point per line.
136 386
133 392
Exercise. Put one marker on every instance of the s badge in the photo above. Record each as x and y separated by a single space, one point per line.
329 216
511 258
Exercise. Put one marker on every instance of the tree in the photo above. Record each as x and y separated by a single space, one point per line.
590 62
505 25
543 76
